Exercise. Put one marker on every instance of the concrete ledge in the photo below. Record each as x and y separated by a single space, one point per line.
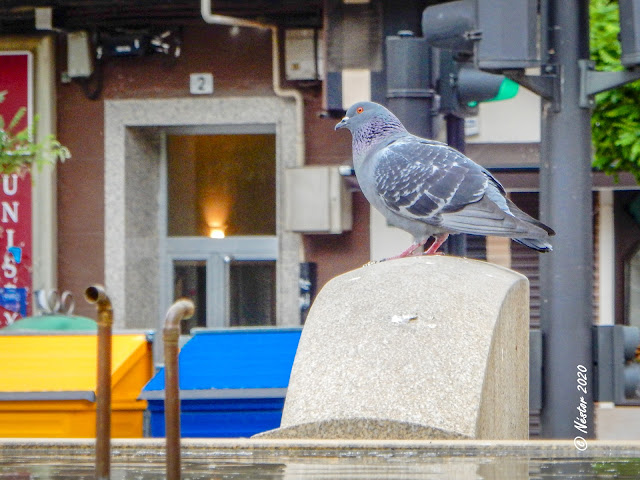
359 429
419 347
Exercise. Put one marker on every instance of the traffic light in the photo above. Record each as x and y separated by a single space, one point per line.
472 34
493 34
630 32
462 86
617 371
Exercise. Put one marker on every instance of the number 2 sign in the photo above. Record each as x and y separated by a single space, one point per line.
201 83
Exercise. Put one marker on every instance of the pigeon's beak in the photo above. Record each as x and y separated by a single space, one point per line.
342 123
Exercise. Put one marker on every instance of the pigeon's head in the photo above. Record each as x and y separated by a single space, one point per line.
359 114
372 118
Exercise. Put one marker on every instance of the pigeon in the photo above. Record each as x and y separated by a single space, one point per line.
428 188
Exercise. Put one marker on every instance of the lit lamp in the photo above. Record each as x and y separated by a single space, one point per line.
217 231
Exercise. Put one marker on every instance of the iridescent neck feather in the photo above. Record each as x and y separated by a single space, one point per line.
376 130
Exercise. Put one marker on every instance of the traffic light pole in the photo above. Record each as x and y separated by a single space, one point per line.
456 244
566 205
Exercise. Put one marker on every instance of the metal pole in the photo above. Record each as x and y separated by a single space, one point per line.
456 244
182 308
410 92
96 294
566 205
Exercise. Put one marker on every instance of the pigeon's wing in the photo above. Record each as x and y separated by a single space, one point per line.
487 218
421 180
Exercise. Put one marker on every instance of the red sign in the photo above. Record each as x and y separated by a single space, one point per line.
15 196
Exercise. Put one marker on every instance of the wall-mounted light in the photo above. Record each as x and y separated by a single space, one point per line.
79 55
217 231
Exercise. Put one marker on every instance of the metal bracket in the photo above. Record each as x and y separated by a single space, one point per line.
417 93
610 346
592 81
473 35
612 373
547 84
410 93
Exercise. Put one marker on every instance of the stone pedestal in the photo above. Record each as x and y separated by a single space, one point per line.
414 348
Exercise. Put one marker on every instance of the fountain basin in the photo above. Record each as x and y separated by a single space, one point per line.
336 459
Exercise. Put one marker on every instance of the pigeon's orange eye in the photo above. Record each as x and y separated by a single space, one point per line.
359 110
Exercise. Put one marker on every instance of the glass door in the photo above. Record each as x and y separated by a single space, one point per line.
252 293
190 280
200 275
220 246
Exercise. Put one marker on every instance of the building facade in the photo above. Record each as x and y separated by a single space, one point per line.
183 148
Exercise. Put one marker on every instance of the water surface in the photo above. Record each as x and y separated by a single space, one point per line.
335 465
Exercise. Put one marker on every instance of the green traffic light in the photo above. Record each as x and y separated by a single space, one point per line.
508 89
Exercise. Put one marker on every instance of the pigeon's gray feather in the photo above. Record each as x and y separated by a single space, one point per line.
421 180
486 218
428 188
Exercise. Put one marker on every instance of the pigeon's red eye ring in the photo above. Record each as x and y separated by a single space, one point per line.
359 110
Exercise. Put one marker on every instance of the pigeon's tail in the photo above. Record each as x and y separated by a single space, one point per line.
486 217
528 218
536 244
539 245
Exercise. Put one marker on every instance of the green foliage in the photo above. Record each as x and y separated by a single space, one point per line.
18 150
616 117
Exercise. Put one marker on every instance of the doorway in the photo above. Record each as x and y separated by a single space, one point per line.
136 237
221 242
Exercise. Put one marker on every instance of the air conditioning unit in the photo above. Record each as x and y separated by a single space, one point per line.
318 200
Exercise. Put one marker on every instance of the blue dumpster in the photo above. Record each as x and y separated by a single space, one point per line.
233 382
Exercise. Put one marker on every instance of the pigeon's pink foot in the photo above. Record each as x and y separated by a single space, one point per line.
412 248
438 240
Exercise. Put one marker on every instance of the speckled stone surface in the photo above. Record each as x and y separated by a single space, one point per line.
421 347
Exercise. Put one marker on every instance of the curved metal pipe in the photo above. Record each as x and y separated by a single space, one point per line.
97 295
205 11
181 309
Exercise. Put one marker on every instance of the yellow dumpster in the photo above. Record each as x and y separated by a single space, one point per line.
48 385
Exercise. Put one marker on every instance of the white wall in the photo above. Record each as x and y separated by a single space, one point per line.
509 121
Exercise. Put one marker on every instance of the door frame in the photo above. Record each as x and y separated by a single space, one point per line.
133 131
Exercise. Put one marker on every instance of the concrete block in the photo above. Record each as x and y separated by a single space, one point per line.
414 348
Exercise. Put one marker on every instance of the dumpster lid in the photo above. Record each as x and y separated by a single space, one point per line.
217 393
61 363
247 363
48 396
53 322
